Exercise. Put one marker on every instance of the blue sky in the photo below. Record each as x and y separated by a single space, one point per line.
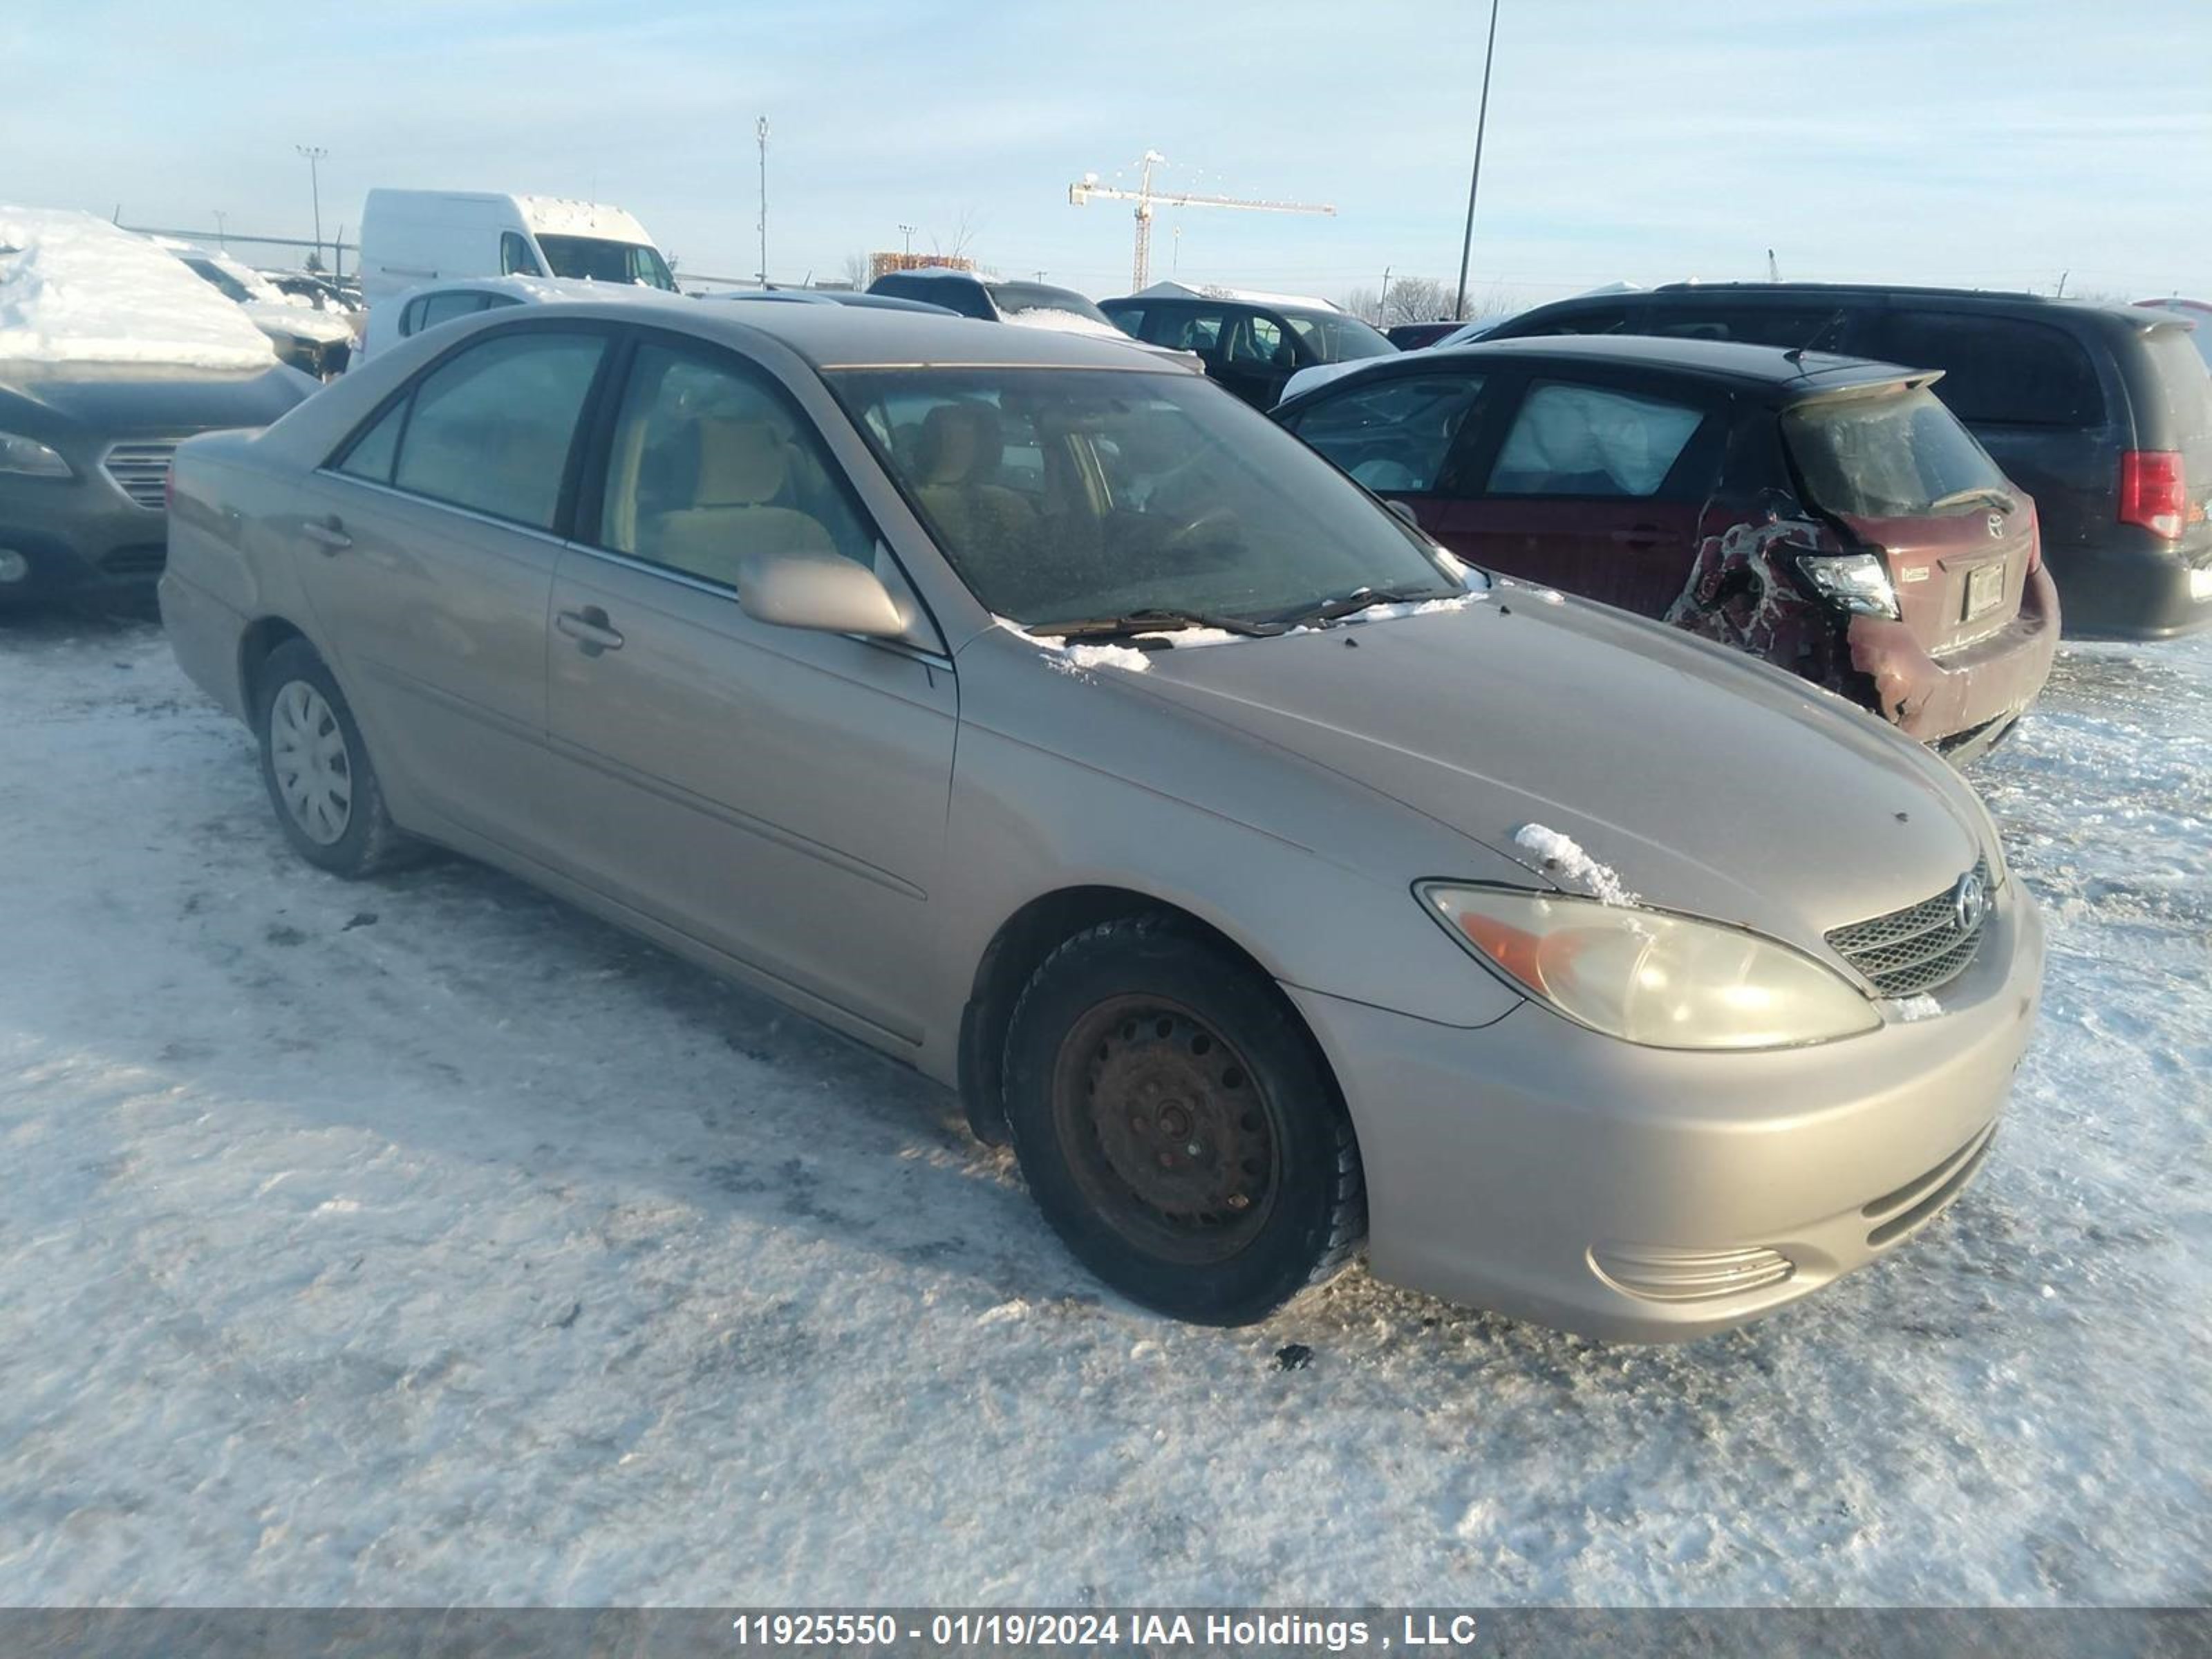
1990 142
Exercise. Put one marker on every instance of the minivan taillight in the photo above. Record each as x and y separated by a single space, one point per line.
2154 492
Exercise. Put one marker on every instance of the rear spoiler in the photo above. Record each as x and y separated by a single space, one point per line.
1904 380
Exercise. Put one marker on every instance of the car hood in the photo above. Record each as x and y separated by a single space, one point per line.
1707 782
150 397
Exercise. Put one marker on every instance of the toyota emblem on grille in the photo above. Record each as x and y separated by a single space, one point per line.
1996 524
1970 902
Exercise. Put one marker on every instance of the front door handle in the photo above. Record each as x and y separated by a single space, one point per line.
327 533
1640 535
589 628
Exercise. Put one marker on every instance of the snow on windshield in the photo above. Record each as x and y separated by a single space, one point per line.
74 289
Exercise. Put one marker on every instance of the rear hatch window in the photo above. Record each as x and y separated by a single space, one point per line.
1899 470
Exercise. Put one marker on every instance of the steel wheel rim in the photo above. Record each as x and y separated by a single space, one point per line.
1169 1134
308 758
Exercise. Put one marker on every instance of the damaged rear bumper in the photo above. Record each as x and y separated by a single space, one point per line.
1963 701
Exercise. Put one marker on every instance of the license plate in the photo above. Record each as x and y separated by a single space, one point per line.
1984 590
2200 584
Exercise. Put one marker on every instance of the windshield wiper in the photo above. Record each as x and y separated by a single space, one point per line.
1163 620
1351 604
2004 499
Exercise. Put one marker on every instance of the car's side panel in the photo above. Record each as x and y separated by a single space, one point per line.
780 794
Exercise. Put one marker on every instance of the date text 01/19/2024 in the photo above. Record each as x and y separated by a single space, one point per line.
1087 1629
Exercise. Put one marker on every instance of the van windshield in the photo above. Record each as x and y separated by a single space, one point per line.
594 259
1894 455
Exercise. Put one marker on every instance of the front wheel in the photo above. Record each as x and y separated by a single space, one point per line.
317 767
1177 1126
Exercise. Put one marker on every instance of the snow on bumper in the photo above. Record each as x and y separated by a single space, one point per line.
1504 1164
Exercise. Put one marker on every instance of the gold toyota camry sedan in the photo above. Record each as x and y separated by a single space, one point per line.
1027 708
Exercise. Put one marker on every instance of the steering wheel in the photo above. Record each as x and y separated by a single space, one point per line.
1190 529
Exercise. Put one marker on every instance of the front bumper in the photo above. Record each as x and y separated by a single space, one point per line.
1505 1163
1964 702
78 535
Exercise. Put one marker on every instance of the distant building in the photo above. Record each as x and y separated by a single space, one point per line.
878 264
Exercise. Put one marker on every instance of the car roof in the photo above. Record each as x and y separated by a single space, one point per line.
1776 367
1982 299
856 337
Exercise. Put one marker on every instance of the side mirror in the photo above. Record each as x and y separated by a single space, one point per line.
821 591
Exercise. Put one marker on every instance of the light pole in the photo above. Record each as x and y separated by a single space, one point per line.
221 240
906 231
760 134
1474 182
315 153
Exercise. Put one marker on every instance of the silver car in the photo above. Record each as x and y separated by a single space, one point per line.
1055 723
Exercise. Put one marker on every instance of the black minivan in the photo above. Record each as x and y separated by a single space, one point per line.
1251 344
2102 413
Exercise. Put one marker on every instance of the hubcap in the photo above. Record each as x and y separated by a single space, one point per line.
1169 1135
307 753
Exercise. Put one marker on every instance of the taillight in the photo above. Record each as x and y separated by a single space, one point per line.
169 487
2154 493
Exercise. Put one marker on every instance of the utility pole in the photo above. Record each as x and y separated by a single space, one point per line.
1474 182
314 154
1382 305
906 231
760 134
220 240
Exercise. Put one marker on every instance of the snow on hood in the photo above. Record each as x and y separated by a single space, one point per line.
75 288
301 321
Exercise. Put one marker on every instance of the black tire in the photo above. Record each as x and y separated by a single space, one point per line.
1236 1184
296 694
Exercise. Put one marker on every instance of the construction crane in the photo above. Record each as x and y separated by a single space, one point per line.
1147 198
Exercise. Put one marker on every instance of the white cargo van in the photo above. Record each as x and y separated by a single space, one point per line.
409 237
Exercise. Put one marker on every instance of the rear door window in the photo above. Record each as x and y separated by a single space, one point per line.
1570 438
1996 369
1398 434
490 429
1192 328
1902 455
443 308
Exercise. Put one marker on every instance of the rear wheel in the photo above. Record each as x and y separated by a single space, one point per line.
1177 1126
317 767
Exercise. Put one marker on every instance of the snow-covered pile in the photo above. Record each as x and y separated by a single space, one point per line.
74 289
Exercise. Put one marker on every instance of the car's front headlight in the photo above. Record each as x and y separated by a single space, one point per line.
1664 981
29 456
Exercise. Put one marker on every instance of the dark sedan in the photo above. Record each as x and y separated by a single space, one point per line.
84 463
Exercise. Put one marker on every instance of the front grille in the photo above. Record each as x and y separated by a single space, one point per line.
145 560
141 470
1917 948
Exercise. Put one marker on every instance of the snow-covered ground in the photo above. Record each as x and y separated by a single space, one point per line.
424 1241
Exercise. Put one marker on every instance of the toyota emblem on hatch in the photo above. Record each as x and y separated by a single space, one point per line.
1996 524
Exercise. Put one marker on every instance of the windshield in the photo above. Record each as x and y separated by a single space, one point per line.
1066 494
1011 297
1892 456
593 259
231 287
1335 338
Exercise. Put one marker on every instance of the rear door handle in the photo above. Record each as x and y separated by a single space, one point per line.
327 533
1641 535
589 628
